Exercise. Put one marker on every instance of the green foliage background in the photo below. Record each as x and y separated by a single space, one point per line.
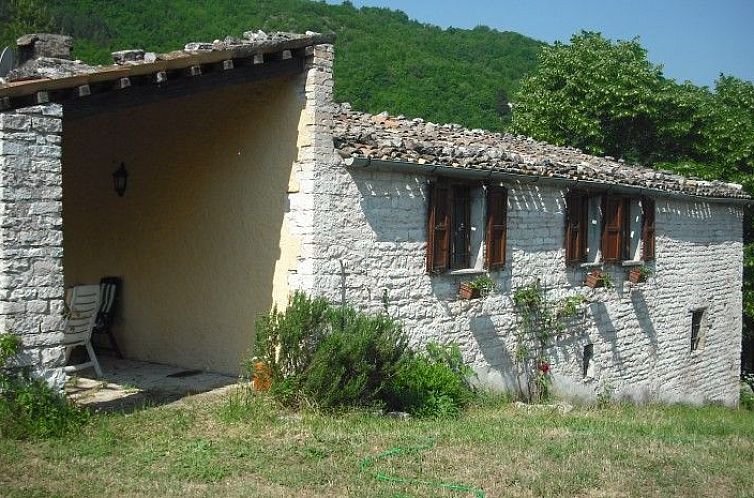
384 61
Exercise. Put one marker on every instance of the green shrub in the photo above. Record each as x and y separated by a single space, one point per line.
434 384
335 357
746 400
286 341
33 409
329 356
28 406
355 363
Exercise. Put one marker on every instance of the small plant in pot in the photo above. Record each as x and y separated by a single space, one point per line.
479 287
598 278
639 274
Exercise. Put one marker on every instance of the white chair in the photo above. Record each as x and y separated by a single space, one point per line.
83 304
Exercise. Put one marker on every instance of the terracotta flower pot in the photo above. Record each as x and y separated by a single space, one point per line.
262 378
635 276
466 291
594 280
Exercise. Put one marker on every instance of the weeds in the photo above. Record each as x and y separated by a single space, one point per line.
28 406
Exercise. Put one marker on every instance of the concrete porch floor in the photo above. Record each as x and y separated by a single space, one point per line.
129 384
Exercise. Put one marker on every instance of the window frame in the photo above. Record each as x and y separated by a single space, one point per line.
616 220
442 220
577 226
460 257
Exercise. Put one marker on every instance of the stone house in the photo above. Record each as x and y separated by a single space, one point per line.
246 182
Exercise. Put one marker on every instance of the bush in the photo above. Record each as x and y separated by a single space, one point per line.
356 361
433 384
286 341
746 400
335 357
28 406
329 356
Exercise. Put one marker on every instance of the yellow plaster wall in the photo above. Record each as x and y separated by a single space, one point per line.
199 237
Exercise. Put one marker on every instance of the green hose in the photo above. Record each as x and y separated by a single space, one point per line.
380 476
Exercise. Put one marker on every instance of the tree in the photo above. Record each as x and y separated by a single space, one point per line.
19 17
601 96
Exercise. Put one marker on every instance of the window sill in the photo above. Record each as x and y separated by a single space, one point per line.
599 264
590 265
467 271
632 262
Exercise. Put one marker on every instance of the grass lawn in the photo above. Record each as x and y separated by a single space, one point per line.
218 448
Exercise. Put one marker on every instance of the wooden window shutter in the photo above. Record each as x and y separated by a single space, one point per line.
648 229
613 224
438 228
496 234
577 214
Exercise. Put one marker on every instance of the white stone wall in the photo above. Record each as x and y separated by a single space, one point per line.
31 236
315 150
372 223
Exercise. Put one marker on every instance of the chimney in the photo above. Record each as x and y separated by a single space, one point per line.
38 45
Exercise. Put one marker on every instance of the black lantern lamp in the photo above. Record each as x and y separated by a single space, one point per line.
120 178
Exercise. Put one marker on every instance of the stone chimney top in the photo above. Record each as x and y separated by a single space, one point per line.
38 45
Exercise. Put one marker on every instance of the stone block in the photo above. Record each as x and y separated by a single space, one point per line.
47 125
14 122
52 357
52 151
14 147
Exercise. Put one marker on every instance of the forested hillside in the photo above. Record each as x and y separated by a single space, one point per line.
384 61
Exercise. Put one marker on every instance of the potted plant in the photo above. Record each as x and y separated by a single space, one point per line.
480 286
598 278
483 284
639 274
467 291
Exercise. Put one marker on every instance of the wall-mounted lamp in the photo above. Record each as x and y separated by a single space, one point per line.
120 178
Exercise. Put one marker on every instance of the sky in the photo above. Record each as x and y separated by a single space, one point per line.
694 40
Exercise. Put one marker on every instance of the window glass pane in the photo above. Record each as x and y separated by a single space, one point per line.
460 250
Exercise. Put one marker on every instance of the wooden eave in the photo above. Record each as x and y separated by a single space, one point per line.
195 70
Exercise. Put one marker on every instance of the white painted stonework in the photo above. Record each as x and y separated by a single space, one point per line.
31 236
374 223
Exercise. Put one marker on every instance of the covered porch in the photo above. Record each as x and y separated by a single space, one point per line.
198 237
127 385
205 232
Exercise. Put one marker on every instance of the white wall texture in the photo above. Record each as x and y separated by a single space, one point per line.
373 222
31 236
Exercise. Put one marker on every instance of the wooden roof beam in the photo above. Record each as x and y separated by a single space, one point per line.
143 94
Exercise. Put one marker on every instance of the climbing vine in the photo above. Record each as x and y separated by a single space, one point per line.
541 320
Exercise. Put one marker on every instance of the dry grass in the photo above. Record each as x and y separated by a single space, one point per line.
249 448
